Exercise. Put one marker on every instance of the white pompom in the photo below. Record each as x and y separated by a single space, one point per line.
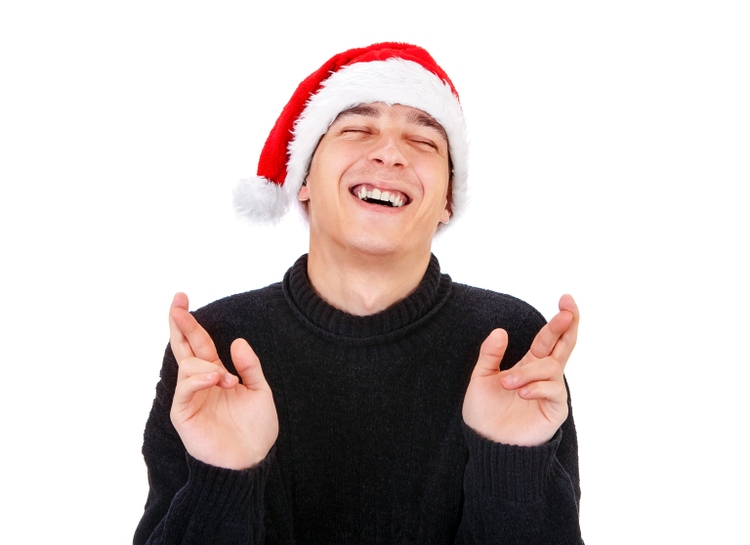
260 200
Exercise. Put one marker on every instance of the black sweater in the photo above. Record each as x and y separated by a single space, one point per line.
372 447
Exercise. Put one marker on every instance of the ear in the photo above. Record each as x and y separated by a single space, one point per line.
445 215
304 193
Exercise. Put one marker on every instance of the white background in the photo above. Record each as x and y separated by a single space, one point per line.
610 160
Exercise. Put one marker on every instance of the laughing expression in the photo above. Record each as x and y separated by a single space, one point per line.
378 181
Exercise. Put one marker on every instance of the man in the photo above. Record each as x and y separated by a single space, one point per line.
361 399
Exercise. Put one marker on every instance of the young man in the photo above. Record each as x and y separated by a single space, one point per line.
362 400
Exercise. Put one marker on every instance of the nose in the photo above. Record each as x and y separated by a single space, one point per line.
387 151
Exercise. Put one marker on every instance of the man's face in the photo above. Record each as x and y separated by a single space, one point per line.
378 181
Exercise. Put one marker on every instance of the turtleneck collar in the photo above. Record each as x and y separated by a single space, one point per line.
337 325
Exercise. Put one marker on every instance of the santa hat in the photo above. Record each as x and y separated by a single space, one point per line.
393 73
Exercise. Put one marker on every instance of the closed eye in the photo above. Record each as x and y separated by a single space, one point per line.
427 143
355 130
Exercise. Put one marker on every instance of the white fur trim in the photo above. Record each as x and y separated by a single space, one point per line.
260 200
393 81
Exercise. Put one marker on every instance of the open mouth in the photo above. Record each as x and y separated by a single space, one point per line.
383 197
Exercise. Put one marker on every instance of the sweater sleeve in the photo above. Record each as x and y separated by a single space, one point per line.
521 495
189 501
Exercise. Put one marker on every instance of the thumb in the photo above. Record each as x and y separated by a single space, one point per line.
490 353
248 366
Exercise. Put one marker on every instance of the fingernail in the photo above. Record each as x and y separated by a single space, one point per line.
510 380
210 376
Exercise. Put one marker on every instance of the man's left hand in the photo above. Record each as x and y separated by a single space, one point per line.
526 404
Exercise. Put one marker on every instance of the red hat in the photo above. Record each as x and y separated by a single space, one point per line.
393 73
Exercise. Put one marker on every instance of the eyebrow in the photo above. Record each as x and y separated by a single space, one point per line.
415 116
418 117
361 109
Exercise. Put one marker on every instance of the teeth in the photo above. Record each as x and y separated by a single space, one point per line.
382 196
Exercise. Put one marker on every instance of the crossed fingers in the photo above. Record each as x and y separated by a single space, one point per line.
539 373
558 337
187 337
194 349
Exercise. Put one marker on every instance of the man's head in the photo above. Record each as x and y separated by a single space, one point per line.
378 182
382 74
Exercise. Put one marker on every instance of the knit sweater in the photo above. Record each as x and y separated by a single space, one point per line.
372 447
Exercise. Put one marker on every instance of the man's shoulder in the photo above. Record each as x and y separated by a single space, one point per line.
481 304
239 307
475 312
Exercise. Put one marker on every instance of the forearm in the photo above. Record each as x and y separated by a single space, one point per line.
216 505
189 501
518 494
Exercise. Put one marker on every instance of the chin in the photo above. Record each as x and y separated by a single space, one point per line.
374 245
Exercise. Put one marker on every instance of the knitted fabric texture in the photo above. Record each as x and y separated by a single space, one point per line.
372 447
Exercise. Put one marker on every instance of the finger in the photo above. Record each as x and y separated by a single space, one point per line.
520 376
248 366
188 387
491 353
199 341
179 343
192 366
566 343
551 391
545 341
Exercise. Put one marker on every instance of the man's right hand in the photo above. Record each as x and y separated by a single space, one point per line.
220 421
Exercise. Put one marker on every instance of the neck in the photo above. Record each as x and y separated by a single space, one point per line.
364 284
